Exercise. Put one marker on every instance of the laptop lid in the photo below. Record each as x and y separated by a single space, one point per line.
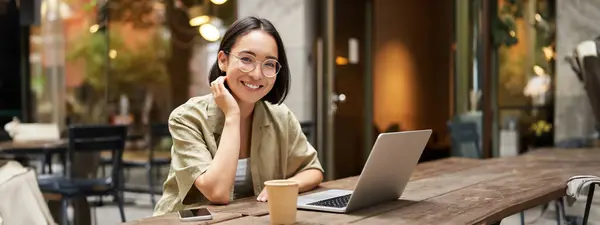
388 168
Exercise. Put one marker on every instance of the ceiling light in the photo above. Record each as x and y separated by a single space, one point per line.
218 2
209 32
112 53
199 20
94 28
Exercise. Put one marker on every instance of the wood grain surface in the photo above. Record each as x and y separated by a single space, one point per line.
447 191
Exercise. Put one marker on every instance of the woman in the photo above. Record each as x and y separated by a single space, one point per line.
228 143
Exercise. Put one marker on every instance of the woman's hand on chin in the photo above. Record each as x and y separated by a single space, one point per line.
223 97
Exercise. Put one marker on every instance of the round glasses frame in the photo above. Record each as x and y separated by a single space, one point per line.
262 63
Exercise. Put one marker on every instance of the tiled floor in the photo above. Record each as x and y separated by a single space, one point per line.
110 214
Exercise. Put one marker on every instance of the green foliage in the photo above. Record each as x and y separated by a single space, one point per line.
93 50
144 66
501 32
90 5
138 13
504 23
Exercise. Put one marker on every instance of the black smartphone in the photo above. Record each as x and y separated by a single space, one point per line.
195 214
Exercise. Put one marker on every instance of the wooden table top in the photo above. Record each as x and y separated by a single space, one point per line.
138 156
453 191
37 146
30 146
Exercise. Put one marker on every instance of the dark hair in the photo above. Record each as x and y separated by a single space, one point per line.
242 27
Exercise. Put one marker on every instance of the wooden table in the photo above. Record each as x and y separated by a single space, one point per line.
32 147
21 150
448 191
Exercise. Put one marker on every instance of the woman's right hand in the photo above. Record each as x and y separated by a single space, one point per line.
223 98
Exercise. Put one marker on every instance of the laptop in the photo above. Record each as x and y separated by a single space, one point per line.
383 178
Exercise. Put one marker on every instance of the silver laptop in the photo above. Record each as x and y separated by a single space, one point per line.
383 178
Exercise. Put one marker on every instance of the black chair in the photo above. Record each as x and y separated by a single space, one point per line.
465 137
47 157
153 163
90 138
4 136
157 133
574 143
307 129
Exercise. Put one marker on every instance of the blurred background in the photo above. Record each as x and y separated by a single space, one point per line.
359 68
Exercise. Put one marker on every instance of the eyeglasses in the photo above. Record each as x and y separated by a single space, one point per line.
247 63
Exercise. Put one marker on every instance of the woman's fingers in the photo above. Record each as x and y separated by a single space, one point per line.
221 84
262 197
217 86
213 88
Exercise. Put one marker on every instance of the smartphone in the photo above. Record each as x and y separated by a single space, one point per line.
195 214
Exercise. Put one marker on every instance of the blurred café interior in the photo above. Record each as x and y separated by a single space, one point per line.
121 61
359 68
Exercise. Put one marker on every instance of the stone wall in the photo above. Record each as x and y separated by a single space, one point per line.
293 19
577 21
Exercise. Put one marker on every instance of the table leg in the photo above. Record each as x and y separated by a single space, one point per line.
47 161
63 160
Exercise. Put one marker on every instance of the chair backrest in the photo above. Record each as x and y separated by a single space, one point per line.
157 132
465 138
4 136
160 130
307 129
574 143
98 138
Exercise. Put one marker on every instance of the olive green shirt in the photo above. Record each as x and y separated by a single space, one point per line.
278 149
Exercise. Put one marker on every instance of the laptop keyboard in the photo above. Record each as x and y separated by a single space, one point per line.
337 202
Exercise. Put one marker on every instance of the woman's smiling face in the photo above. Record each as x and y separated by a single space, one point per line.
251 66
